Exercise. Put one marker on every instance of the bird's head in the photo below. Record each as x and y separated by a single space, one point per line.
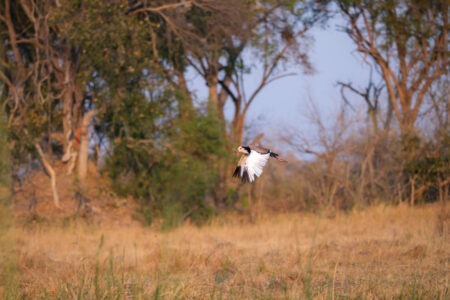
243 149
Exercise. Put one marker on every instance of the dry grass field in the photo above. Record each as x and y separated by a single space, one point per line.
379 252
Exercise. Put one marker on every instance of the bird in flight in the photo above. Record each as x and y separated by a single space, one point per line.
252 162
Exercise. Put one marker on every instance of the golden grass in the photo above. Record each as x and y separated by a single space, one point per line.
372 253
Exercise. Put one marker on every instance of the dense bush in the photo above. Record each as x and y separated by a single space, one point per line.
173 173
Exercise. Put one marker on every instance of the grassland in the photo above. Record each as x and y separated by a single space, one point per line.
380 252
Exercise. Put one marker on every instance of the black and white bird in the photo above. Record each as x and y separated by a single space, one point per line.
251 164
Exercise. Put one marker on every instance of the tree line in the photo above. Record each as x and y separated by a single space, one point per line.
106 82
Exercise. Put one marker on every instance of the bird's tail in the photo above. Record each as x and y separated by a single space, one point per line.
275 155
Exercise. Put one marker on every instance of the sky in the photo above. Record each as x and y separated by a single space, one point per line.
283 103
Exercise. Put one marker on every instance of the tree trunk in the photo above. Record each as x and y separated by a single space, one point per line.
67 119
84 145
373 115
51 172
412 180
72 100
389 113
213 97
238 129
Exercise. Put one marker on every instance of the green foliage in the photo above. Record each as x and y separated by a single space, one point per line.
173 171
188 169
400 23
160 150
428 164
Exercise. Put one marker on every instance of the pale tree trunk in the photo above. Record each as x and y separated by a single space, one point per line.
67 116
70 154
72 100
52 174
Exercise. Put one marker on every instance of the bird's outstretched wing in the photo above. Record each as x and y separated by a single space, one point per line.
240 170
254 164
260 149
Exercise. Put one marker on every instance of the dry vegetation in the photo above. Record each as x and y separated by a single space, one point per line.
382 251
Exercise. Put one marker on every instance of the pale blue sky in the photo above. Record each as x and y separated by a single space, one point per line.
283 103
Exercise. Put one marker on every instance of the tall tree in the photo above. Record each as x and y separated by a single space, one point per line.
60 63
28 71
223 41
40 71
408 41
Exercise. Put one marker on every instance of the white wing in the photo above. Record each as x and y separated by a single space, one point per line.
255 163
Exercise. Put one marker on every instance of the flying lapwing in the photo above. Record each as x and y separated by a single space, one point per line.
252 162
